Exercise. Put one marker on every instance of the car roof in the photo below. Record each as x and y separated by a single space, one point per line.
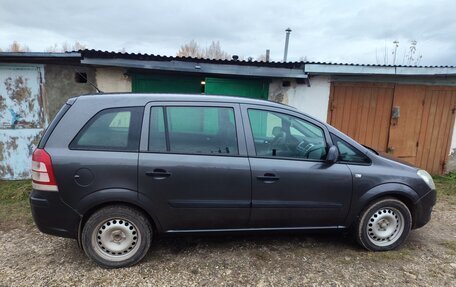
144 98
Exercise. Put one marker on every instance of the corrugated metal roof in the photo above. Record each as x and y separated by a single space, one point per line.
297 69
153 57
42 55
293 64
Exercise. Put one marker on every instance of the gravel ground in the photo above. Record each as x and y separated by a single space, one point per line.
427 259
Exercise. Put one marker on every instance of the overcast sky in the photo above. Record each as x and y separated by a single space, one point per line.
337 31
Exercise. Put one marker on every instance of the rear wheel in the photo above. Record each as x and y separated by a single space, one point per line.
384 225
116 236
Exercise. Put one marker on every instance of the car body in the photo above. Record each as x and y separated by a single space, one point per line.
192 163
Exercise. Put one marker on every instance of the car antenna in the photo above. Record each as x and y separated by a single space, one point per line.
87 80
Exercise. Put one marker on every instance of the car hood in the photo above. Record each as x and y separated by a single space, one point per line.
395 160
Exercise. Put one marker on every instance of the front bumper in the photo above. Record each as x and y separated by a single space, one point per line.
423 209
52 216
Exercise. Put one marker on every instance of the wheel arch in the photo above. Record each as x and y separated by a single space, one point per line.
399 191
103 198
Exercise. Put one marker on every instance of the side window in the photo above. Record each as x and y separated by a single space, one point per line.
112 130
282 135
348 153
193 130
157 136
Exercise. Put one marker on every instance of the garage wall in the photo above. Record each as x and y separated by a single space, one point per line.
453 141
451 165
111 80
61 84
312 100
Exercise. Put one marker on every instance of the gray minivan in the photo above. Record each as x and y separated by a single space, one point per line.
115 170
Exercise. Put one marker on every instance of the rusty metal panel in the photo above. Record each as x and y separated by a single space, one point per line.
22 118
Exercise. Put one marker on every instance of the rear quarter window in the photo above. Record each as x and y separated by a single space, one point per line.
116 129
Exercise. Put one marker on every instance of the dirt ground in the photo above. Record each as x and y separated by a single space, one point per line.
30 258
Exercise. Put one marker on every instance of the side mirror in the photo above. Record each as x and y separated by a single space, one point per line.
333 155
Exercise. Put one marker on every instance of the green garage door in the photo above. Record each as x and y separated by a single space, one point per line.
155 83
249 88
144 83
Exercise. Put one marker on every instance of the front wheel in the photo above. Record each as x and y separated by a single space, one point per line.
383 225
116 236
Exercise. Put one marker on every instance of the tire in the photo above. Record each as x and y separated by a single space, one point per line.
383 225
116 236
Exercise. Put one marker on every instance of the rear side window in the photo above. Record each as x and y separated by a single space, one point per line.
112 130
193 130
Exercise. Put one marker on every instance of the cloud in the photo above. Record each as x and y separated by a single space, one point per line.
342 31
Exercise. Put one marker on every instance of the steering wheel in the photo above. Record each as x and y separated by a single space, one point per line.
304 148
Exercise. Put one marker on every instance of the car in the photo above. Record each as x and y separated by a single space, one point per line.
116 170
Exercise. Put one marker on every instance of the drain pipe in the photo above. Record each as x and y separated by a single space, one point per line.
287 39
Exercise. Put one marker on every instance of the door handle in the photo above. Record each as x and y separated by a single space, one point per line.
158 173
268 178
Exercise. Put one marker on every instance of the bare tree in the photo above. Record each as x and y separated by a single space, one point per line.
17 47
52 49
78 46
213 51
191 49
261 58
65 47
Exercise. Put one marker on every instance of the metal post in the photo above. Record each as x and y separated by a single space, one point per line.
287 39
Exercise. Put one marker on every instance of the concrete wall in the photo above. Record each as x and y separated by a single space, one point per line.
453 141
113 80
60 84
451 165
312 100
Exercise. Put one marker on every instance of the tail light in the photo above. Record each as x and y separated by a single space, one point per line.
42 172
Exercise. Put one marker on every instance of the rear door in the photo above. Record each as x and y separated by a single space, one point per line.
292 185
193 165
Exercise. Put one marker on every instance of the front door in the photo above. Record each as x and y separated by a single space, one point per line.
292 186
193 168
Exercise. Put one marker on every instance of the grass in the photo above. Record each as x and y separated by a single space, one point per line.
14 205
446 187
